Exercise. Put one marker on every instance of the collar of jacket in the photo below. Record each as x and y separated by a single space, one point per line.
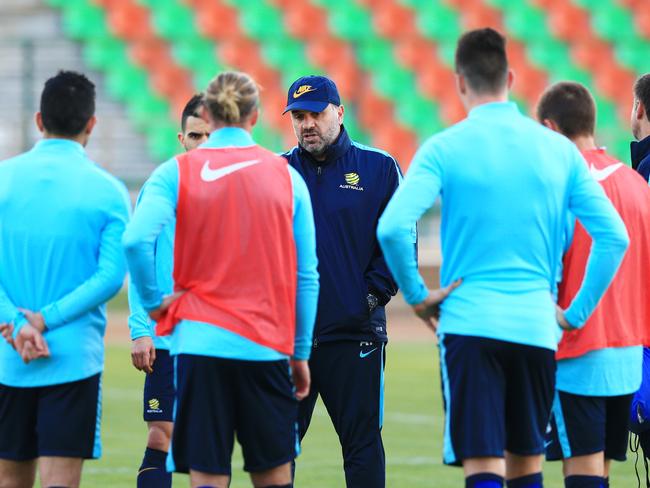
334 152
639 151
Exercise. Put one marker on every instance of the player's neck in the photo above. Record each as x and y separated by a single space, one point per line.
80 138
585 142
474 99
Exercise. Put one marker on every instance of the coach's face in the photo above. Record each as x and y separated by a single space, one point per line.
316 131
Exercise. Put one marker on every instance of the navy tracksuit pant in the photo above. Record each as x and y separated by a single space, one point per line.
349 376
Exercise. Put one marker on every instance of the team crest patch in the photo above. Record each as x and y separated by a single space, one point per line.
352 181
154 406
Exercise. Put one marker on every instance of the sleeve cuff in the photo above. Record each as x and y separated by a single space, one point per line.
417 297
573 320
19 321
52 317
302 353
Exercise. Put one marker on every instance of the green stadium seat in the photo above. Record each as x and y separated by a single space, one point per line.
82 21
100 54
126 81
142 110
173 21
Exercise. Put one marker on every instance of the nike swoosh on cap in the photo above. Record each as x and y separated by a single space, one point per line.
603 174
297 94
208 174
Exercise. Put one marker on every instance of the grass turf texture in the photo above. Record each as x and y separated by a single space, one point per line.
413 423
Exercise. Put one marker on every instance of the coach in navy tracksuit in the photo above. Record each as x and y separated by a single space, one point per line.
350 185
640 122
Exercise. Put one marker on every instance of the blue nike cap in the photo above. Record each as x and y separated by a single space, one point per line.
312 93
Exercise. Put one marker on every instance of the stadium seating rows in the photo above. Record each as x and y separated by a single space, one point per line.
392 59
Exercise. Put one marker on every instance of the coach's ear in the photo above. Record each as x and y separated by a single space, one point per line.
639 110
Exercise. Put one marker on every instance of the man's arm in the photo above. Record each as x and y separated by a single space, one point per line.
416 195
307 290
108 277
156 208
588 202
378 277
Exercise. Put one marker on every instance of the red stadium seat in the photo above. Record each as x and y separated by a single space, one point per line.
416 53
217 21
306 21
130 21
394 21
149 53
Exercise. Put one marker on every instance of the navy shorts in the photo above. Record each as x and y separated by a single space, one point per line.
582 425
497 397
218 398
60 420
158 400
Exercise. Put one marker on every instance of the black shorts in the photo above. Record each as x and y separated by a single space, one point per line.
60 420
582 425
497 397
158 400
218 398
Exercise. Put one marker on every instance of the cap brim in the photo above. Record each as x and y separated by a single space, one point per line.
310 106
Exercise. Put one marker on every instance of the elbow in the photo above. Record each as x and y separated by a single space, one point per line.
385 231
130 243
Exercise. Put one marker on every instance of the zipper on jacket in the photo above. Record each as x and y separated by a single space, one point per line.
319 172
315 343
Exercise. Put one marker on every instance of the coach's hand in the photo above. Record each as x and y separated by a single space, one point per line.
429 309
301 377
31 344
7 331
143 354
157 314
561 319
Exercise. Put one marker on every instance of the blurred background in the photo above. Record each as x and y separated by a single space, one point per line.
392 61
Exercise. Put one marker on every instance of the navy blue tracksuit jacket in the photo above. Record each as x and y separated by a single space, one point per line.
349 191
640 152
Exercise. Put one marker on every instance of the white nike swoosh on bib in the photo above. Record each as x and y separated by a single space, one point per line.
603 174
208 174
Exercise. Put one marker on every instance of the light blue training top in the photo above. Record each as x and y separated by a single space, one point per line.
139 322
507 184
61 224
157 208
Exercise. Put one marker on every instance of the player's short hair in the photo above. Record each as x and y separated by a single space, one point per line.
642 92
570 106
481 59
231 97
67 103
191 109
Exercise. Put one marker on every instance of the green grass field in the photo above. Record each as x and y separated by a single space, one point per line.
412 430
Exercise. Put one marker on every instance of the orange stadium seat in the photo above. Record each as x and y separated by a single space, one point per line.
416 52
569 22
148 53
129 21
394 21
306 21
216 21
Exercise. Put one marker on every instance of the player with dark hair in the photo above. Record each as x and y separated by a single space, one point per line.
61 224
150 353
194 128
641 127
599 365
507 186
246 289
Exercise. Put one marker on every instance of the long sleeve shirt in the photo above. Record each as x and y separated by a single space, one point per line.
61 224
507 184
